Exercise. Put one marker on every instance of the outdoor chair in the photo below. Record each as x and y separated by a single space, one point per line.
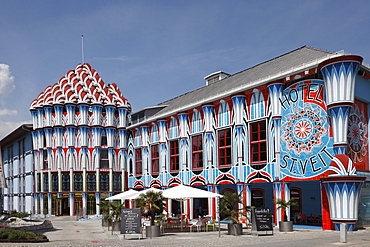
302 219
199 224
210 223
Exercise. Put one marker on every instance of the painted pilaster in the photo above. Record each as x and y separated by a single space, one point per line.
339 75
185 157
209 143
278 194
71 203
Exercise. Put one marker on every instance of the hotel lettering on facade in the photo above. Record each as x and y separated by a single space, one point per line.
270 131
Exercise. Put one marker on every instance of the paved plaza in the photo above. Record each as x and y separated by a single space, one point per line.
70 232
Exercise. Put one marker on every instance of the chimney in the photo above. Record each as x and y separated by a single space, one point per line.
214 77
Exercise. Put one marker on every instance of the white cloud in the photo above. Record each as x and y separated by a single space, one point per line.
6 80
9 127
4 112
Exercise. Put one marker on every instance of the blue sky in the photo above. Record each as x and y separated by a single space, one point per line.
155 50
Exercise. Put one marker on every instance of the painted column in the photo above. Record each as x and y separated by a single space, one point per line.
278 194
343 188
239 135
163 150
84 204
71 203
184 147
287 198
275 95
343 194
340 76
209 143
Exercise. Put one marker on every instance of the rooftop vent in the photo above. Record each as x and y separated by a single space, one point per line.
214 77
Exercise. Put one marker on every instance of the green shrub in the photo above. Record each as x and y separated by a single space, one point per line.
8 233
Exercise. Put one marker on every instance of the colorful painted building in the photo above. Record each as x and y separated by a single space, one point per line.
268 132
79 143
276 130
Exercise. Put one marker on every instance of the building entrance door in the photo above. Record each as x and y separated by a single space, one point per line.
65 206
78 206
58 207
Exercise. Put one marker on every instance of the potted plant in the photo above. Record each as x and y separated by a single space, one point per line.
104 210
153 203
285 225
115 214
229 210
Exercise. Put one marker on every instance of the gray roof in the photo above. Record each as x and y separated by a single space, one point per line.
288 64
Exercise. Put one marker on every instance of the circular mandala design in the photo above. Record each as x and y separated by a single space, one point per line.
303 129
357 135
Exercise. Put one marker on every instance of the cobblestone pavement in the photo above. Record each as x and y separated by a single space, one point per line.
69 232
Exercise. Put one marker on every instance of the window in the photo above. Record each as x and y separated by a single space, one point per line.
91 182
174 156
104 161
54 183
224 147
45 160
138 162
197 152
258 198
77 182
296 194
46 182
104 181
155 159
258 142
117 181
65 182
104 141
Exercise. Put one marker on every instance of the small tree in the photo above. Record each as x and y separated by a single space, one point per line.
229 206
153 202
104 208
115 210
284 205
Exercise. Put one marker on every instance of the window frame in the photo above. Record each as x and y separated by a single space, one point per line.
260 142
255 197
154 152
104 160
296 209
138 162
174 156
197 154
222 146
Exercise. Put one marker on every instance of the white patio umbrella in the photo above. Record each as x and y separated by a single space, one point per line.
123 196
183 192
135 196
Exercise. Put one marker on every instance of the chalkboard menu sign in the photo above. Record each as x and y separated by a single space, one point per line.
261 220
130 221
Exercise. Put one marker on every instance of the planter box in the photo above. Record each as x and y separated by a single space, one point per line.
285 226
235 229
153 231
105 223
116 226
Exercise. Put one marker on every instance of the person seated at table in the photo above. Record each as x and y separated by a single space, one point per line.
200 212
